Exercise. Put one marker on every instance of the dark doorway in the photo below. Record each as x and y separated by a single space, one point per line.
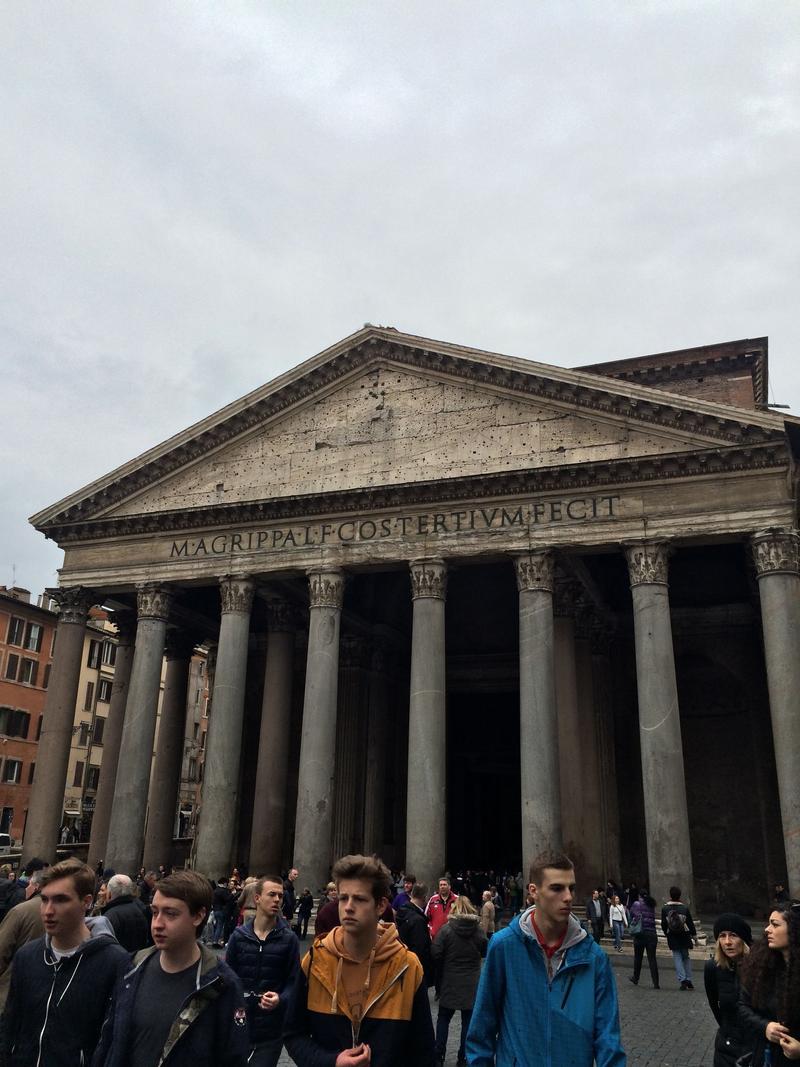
484 821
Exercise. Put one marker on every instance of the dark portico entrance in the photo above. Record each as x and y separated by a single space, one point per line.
484 827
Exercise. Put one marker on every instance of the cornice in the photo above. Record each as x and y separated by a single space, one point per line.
580 391
570 477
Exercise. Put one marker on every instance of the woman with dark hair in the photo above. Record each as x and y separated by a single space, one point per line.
733 938
769 999
645 937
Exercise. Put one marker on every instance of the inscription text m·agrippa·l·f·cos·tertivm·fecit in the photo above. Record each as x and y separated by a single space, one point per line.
578 509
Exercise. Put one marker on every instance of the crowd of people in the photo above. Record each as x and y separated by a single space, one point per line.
167 967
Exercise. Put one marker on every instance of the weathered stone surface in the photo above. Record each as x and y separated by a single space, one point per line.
389 426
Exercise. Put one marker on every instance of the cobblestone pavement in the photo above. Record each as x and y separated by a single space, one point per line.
664 1028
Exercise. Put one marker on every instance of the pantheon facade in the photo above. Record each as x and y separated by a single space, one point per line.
461 607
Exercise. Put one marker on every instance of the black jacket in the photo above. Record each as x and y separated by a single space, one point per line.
458 949
210 1030
681 941
722 990
753 1022
412 928
55 1009
11 893
271 965
130 920
289 899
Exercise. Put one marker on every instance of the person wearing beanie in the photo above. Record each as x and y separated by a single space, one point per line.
732 937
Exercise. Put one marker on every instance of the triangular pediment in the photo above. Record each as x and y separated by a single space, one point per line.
383 409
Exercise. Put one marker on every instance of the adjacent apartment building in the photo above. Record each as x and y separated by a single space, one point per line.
27 639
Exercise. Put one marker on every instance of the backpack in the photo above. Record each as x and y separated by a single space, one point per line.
676 921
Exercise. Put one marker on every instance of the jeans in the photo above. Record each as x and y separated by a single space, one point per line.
617 926
683 964
646 941
266 1054
443 1028
217 926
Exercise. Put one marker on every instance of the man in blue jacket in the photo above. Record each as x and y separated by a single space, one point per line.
547 993
265 954
178 1005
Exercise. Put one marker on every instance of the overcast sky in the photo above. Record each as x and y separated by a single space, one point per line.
198 195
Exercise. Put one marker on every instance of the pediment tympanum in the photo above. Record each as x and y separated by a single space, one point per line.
389 426
384 409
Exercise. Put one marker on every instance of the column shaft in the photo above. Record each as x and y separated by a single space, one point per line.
112 739
47 796
269 805
606 748
129 808
777 556
314 819
215 837
166 777
666 815
592 873
538 723
426 823
377 745
570 743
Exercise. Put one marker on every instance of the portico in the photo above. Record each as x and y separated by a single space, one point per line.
448 551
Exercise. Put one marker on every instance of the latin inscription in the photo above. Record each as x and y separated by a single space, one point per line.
349 531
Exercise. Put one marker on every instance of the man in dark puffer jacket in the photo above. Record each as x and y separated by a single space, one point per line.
129 918
265 954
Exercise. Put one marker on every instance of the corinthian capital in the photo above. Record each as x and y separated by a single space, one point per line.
428 578
776 552
534 571
648 562
153 601
73 604
326 588
236 593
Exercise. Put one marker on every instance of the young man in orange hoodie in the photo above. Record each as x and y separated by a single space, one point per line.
362 999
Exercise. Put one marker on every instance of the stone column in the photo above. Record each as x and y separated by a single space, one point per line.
593 870
669 854
538 723
46 807
166 778
349 773
126 829
377 744
314 819
426 820
606 750
777 558
570 741
215 837
269 804
112 737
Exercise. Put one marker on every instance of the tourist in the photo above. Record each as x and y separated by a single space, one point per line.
289 897
402 898
596 913
361 997
547 993
327 913
129 918
488 911
305 905
21 925
645 937
678 925
246 901
769 997
264 953
61 983
733 937
439 906
457 950
412 928
178 1002
618 920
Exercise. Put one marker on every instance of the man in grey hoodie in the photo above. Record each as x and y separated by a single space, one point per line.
61 983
